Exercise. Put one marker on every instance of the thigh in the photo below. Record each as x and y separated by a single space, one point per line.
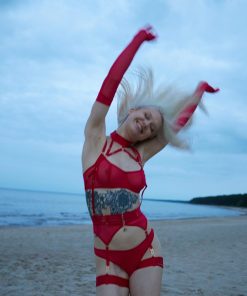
146 281
110 289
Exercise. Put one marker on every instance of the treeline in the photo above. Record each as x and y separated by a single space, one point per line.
233 200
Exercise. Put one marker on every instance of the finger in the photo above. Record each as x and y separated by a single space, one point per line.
148 27
151 32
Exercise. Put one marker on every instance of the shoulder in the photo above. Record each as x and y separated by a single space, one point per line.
92 148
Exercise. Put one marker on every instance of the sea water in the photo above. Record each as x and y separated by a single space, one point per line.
35 208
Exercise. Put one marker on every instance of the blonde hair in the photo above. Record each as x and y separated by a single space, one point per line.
168 100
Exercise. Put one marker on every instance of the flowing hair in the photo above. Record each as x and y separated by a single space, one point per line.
167 100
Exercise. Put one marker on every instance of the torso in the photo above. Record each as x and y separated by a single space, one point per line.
117 177
110 201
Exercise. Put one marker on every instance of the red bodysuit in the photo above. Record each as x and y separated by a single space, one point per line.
105 175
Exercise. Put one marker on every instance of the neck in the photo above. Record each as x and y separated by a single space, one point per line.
122 132
119 138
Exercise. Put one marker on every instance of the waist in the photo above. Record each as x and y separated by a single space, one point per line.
117 219
110 202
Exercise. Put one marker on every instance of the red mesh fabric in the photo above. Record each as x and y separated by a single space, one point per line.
128 260
115 75
152 261
104 174
108 175
105 227
111 279
185 114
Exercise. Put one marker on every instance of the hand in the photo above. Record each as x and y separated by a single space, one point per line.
149 31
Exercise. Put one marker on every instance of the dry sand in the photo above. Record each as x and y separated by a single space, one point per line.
202 257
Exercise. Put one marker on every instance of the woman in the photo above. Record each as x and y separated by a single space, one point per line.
128 253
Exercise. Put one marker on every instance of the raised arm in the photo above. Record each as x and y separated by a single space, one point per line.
96 121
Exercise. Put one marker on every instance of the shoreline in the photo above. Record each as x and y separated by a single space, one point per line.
242 212
203 256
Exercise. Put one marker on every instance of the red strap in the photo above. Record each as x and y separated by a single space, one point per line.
111 279
143 193
103 150
136 157
93 177
109 152
152 261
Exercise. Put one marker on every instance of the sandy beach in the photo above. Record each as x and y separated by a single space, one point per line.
202 257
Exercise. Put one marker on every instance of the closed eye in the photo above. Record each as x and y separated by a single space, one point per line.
147 116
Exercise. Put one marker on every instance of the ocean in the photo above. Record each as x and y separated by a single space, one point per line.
35 208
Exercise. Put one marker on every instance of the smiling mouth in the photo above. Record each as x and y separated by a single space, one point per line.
139 126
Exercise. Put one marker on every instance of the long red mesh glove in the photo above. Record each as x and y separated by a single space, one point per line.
185 114
119 67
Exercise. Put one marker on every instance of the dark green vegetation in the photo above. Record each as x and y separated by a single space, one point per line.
233 200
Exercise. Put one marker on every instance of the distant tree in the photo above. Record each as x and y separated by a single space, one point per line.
233 200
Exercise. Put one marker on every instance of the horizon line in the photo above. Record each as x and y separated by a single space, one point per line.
73 193
147 198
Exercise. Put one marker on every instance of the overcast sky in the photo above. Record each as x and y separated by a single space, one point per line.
55 55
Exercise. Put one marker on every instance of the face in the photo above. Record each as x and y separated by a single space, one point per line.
143 123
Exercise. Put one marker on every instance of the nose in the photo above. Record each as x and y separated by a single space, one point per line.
146 123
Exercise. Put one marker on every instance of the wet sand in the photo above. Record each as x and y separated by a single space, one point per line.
202 257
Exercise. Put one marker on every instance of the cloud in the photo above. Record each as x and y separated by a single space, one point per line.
55 55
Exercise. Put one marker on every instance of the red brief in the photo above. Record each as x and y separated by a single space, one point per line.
105 227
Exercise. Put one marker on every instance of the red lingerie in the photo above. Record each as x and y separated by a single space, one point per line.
104 174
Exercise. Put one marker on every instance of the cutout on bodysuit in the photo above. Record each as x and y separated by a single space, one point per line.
129 259
119 238
113 148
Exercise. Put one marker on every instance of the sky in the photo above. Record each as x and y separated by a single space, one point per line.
55 56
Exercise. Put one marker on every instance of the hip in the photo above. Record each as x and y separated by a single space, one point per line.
120 231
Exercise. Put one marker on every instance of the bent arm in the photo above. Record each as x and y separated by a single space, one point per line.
96 120
186 113
151 147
